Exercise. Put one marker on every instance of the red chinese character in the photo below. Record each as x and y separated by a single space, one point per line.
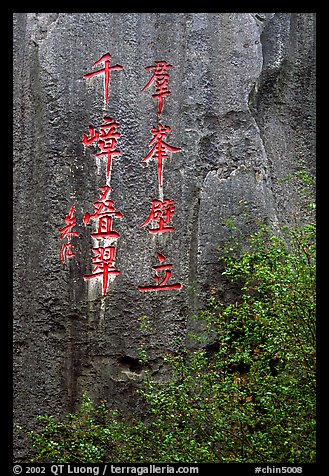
105 213
103 266
159 150
160 76
161 281
93 136
107 140
161 213
106 59
67 251
67 232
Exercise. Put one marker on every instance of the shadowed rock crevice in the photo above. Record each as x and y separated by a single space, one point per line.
129 364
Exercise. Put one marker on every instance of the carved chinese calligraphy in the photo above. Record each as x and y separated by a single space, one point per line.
104 214
160 147
103 266
161 281
161 210
160 77
67 233
106 59
161 213
106 139
103 139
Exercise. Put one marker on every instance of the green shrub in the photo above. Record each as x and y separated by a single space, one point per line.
250 396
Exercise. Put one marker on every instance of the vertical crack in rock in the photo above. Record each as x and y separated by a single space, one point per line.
283 105
252 106
239 172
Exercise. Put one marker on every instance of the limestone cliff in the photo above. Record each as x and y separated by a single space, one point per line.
241 109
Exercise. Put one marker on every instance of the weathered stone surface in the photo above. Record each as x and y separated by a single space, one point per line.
242 110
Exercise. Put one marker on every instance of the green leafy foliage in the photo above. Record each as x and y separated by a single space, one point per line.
81 437
249 396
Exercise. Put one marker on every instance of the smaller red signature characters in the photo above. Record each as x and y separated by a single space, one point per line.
160 147
67 233
103 266
106 139
161 213
104 212
106 59
161 280
160 77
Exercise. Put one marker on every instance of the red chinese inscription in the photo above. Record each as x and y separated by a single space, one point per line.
67 233
106 59
160 148
103 266
160 77
104 212
162 279
106 139
161 213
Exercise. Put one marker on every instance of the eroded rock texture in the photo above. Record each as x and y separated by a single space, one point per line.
241 109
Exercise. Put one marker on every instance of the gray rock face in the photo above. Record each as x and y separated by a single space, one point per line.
241 109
